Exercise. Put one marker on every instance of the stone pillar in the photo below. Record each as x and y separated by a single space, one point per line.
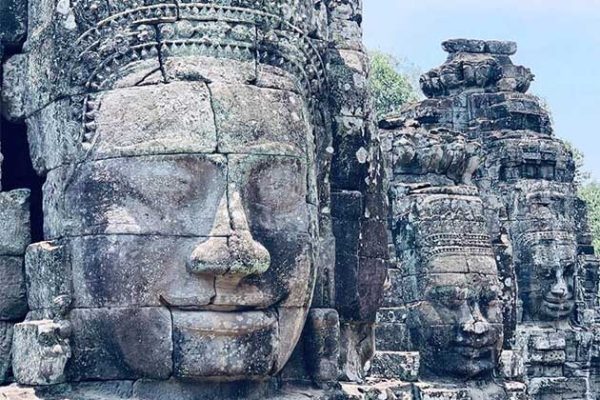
358 206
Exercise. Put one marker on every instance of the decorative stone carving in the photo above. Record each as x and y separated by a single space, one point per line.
534 219
446 272
192 156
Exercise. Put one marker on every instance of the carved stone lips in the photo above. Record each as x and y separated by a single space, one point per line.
474 352
554 300
557 307
196 304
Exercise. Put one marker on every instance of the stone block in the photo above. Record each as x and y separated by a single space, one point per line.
228 345
393 293
376 245
48 271
347 205
549 357
564 388
40 353
516 390
396 365
512 365
433 392
13 292
6 338
548 342
53 133
120 343
349 87
210 69
392 337
359 284
322 344
464 46
136 195
173 118
357 349
114 390
15 226
135 271
346 34
189 390
349 163
13 93
261 121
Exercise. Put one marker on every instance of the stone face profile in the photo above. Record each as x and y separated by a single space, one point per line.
456 322
215 206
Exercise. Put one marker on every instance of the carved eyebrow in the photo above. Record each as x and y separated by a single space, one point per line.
273 149
449 292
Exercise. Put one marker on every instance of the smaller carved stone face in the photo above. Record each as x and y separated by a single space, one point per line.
547 280
457 325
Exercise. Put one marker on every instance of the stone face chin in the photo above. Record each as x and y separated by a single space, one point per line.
231 346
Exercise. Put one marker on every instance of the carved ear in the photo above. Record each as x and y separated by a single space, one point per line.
14 87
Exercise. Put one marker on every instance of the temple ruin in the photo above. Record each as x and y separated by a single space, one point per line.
198 204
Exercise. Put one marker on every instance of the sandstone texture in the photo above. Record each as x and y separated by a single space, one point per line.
219 208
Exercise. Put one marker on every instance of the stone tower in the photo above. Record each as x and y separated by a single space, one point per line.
536 222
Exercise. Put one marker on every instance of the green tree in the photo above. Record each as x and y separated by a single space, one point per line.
582 177
390 85
590 192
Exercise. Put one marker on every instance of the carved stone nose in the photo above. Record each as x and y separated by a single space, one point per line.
475 322
559 289
231 249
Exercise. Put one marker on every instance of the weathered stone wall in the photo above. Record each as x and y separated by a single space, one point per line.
14 213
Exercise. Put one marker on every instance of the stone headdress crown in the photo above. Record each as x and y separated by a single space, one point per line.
98 40
444 223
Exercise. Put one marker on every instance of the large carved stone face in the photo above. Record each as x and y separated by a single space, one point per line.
190 229
457 325
547 279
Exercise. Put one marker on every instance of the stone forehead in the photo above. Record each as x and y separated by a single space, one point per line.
416 288
174 118
467 262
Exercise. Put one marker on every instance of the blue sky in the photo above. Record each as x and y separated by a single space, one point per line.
558 39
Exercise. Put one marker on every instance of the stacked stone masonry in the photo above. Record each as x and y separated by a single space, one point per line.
218 203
